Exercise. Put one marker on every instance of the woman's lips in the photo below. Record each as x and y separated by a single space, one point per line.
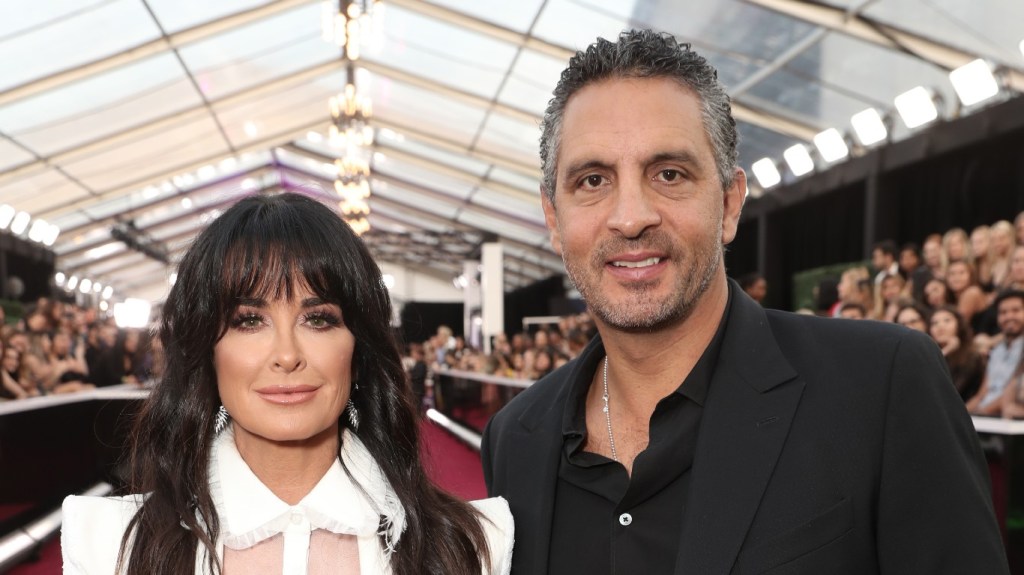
287 395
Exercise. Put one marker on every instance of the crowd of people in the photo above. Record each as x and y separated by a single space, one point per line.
951 287
59 347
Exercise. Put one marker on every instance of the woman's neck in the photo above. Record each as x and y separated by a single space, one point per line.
290 469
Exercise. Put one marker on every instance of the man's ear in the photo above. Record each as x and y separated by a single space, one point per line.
549 218
733 198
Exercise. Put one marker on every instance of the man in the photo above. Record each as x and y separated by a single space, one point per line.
853 311
1004 357
699 433
883 259
755 286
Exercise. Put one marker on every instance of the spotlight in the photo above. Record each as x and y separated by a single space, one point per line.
917 107
72 283
766 173
831 145
107 292
59 278
974 82
38 230
85 286
6 215
798 160
20 223
869 127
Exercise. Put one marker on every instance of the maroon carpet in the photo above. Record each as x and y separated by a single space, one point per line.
449 462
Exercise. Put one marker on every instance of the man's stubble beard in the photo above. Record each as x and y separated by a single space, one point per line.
639 313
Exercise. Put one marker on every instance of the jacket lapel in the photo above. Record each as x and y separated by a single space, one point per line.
536 453
753 396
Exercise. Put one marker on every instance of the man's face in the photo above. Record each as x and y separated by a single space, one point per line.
880 260
639 214
1011 316
932 254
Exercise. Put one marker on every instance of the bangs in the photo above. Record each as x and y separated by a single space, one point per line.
262 265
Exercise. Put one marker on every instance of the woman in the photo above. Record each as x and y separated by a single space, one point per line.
966 366
980 244
279 321
1003 242
1015 279
962 281
912 316
956 246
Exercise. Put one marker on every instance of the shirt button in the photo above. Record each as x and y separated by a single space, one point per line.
625 519
296 518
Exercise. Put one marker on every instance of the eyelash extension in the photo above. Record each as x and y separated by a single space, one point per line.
330 319
238 322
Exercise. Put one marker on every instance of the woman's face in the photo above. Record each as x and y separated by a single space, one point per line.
956 249
1017 265
891 288
935 293
979 242
1002 241
284 368
909 317
943 326
958 277
12 359
932 252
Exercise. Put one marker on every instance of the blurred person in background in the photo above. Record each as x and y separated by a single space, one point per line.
913 316
966 366
1003 242
980 244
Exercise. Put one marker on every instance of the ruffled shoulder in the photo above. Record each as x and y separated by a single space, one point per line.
91 532
500 531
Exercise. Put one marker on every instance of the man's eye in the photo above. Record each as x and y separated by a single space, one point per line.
669 175
593 181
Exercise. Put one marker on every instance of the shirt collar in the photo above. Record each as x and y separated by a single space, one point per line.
352 502
694 386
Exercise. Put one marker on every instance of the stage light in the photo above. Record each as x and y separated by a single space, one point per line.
917 107
52 232
20 223
869 127
974 82
107 292
132 313
831 145
85 286
38 230
72 283
766 172
59 278
798 160
6 215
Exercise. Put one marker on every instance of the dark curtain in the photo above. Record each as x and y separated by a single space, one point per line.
420 320
741 254
823 230
980 185
538 298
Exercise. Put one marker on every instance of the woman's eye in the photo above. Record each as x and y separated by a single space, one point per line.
247 322
322 320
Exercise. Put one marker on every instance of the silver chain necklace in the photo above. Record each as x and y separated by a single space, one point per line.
607 412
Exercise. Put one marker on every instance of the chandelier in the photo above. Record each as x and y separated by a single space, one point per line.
343 23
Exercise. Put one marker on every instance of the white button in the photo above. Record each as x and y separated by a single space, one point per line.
625 519
296 518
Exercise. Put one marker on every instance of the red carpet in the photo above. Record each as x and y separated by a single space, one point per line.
449 463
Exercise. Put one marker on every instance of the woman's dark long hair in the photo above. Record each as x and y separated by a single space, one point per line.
264 247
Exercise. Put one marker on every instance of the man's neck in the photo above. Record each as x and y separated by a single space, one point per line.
643 368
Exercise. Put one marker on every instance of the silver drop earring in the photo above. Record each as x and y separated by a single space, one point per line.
220 420
353 414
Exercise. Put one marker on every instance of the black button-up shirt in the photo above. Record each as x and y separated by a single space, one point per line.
606 522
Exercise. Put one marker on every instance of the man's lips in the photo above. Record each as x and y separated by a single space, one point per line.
287 394
636 267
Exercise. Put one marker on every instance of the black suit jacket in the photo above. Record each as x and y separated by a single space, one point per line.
825 446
